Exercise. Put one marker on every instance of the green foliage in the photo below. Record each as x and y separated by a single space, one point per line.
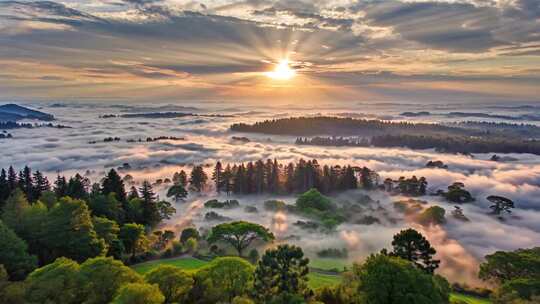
173 282
57 282
13 213
102 277
70 232
457 194
239 234
106 206
391 280
178 192
133 237
313 199
410 245
189 233
433 215
228 204
191 245
223 280
107 230
282 270
517 272
139 293
113 184
333 253
14 255
198 178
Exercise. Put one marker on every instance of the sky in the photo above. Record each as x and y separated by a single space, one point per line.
222 50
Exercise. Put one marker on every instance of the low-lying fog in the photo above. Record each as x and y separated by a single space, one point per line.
460 245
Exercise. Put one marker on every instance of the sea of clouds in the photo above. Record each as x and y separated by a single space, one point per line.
461 245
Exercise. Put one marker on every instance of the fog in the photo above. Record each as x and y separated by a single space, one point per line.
461 245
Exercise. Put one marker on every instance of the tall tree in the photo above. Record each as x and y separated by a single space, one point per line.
133 238
500 204
112 183
410 245
281 273
228 180
217 177
4 188
60 186
14 254
69 231
178 192
133 193
150 211
13 213
12 179
26 183
239 234
180 178
77 187
197 179
41 184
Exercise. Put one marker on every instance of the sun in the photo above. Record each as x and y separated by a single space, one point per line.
282 71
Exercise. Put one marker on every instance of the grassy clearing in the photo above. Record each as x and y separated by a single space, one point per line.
329 264
317 280
186 263
468 299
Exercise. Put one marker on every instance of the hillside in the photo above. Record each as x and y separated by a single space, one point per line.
14 112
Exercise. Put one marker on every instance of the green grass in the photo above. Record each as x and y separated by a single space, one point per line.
186 263
329 264
317 280
468 299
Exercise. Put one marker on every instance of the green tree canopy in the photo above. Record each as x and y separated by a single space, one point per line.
224 279
433 215
54 283
69 231
313 199
139 293
189 233
178 192
133 238
504 266
410 245
173 282
14 255
101 278
281 272
239 234
391 280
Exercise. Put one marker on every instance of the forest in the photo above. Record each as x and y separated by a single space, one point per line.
72 241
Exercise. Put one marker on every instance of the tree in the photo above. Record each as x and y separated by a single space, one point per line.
457 194
239 234
107 206
281 271
313 199
26 183
227 178
504 266
173 282
410 245
13 213
77 187
139 293
112 183
14 255
223 280
54 283
101 278
180 178
60 186
12 179
189 233
385 279
178 192
41 184
433 215
217 177
4 188
198 179
133 193
150 211
133 238
517 273
106 229
500 204
69 231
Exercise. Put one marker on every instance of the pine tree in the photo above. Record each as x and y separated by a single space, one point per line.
180 178
60 186
77 187
228 180
250 179
12 179
150 210
41 184
259 177
289 178
26 183
198 179
217 177
239 179
113 183
4 188
133 193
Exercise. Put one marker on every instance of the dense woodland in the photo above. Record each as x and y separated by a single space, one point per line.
68 242
467 137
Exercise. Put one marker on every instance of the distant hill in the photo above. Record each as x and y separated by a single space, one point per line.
13 112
